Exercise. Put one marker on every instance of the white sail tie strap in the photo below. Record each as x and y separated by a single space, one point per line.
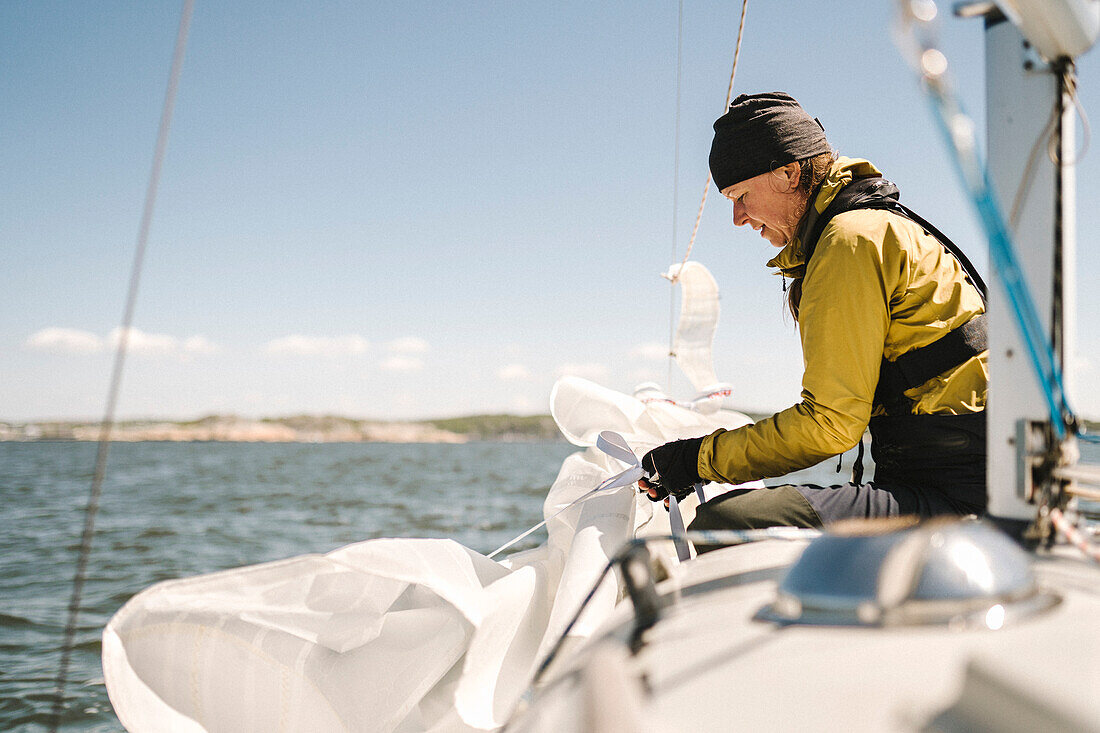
613 445
676 522
616 446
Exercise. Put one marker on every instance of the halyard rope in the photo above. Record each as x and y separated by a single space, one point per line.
116 373
729 97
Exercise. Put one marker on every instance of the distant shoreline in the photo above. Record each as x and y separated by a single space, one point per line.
307 429
295 429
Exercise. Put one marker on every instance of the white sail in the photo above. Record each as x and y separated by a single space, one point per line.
401 634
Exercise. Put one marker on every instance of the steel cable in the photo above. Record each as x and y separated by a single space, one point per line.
92 507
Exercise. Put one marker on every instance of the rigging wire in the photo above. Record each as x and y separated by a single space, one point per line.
674 273
92 507
1069 81
1028 176
729 97
675 188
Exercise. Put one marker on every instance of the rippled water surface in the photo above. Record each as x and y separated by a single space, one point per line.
175 509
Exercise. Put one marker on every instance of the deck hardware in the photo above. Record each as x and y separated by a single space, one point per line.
959 574
638 579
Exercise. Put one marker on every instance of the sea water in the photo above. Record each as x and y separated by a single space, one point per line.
170 510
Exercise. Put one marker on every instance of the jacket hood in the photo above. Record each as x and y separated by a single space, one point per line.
791 260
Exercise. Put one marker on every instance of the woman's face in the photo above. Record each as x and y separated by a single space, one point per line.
771 203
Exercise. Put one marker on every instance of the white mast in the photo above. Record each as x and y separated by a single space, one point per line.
1024 95
1020 94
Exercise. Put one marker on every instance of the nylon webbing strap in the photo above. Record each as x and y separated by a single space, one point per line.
862 193
967 265
916 367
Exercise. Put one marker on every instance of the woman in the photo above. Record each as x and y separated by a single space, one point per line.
892 337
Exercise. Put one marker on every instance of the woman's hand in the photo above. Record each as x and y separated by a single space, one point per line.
672 468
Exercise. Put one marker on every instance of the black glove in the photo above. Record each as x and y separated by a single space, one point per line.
673 468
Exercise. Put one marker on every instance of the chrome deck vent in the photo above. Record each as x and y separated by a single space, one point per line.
963 574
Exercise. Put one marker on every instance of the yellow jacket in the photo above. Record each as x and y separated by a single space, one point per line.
876 286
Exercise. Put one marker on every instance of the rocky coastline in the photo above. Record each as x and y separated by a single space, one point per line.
295 429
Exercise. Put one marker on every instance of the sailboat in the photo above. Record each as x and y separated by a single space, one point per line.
610 626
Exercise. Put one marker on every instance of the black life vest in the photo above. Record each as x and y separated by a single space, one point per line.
941 453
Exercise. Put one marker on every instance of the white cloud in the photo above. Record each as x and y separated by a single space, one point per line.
299 345
513 373
593 372
402 364
64 341
199 345
651 351
73 341
139 342
408 345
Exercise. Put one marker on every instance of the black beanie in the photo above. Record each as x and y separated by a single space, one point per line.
759 133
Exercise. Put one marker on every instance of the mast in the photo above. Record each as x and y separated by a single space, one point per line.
1020 93
1031 155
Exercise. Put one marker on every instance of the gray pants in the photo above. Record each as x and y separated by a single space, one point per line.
815 506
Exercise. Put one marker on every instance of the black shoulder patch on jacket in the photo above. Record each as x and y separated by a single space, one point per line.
875 192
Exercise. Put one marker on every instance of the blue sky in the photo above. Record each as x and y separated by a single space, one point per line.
405 210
